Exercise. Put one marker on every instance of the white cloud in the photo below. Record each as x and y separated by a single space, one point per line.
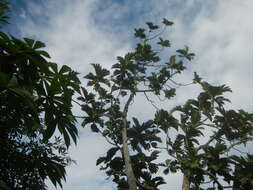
79 32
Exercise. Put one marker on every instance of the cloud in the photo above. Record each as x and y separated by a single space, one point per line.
80 32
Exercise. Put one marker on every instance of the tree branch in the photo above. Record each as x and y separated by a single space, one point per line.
244 140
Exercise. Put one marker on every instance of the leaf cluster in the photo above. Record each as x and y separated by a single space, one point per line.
209 160
35 100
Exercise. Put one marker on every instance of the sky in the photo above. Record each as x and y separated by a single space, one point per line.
80 32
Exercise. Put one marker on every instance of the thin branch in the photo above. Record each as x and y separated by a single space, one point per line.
242 152
106 138
152 102
180 84
158 34
208 142
237 143
76 102
77 116
213 177
147 90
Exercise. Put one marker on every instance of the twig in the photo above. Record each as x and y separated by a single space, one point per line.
237 143
152 102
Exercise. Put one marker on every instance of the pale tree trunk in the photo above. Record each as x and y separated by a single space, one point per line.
186 183
129 169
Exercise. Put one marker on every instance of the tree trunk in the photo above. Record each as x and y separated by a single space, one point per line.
186 183
129 169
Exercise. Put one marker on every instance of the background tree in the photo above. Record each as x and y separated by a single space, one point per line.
35 100
205 134
132 160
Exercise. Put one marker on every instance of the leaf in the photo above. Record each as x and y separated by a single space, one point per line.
167 22
100 160
49 130
94 128
196 79
65 69
66 136
4 37
151 26
166 171
164 43
111 152
170 93
43 53
140 33
39 45
29 41
195 116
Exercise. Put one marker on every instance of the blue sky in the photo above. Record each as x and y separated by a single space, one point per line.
80 32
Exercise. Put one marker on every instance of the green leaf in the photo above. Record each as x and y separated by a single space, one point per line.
100 160
94 128
65 69
170 93
164 43
140 33
111 152
151 26
29 41
195 117
167 22
4 36
196 78
166 171
43 53
39 45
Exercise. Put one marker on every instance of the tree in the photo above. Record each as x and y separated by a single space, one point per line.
210 162
138 72
131 160
35 100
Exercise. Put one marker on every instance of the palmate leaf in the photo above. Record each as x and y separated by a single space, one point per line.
140 33
185 53
215 90
170 93
151 26
164 43
167 22
99 76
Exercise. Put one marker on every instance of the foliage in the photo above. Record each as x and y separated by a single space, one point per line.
132 159
4 9
35 100
106 105
213 160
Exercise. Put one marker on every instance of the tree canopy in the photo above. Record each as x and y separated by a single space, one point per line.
35 100
132 159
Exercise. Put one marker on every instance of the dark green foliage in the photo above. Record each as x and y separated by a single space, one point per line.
4 9
35 101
